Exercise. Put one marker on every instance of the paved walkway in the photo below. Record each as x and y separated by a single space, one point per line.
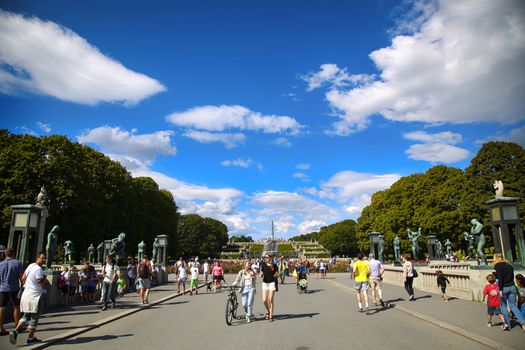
457 318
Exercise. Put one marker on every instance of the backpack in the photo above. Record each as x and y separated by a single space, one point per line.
61 281
143 271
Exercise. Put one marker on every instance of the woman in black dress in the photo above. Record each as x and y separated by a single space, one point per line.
269 274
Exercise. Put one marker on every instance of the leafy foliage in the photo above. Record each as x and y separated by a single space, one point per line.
201 236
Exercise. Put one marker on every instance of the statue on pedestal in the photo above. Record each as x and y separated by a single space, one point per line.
414 236
41 199
498 187
141 249
69 249
117 248
100 253
156 246
477 231
448 246
397 249
470 238
381 247
51 246
439 249
91 253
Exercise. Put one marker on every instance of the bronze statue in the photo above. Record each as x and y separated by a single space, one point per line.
156 246
448 245
141 249
100 253
381 247
477 231
91 253
414 236
470 238
51 246
397 249
69 249
118 246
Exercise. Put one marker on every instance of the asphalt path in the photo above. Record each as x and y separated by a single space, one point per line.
325 318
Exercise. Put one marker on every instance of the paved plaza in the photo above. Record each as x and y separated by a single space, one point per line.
325 318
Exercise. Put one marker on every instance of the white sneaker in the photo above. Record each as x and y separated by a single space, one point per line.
248 319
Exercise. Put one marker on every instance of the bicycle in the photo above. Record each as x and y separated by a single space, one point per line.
231 305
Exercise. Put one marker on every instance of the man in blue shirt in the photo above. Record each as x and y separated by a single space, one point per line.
11 271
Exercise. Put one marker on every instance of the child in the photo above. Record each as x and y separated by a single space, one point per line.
121 285
194 278
493 303
442 283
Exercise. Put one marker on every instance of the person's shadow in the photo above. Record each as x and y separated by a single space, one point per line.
82 340
291 316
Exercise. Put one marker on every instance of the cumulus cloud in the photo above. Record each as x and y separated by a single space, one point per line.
45 58
134 150
220 118
242 163
311 226
44 127
283 142
436 148
516 135
301 176
331 74
229 140
461 62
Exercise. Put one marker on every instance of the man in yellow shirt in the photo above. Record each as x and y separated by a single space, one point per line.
361 273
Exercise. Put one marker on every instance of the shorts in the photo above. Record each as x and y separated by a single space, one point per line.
493 310
31 319
64 289
90 289
218 278
5 297
443 290
72 290
182 280
268 286
376 283
194 283
144 283
361 285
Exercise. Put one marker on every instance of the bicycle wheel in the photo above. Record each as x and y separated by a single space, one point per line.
230 309
235 305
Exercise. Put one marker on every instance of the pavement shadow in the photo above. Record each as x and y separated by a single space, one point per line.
82 340
72 313
291 316
394 300
311 291
423 297
176 302
381 309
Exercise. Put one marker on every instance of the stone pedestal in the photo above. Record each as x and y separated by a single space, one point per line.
374 243
506 228
431 246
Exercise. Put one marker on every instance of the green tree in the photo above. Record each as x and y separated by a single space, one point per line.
339 238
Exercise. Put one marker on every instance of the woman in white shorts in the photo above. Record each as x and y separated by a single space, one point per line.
269 273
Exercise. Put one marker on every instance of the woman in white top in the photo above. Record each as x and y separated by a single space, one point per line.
246 280
408 274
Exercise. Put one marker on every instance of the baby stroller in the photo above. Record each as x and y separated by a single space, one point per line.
303 283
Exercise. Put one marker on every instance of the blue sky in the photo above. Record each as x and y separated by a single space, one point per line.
292 111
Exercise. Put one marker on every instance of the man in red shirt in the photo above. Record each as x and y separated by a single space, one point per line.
493 304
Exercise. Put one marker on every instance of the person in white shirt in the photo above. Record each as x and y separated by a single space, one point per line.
182 275
246 279
194 270
109 283
206 272
31 303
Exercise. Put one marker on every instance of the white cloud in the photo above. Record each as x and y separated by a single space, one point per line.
437 153
303 166
229 140
516 135
44 127
436 148
220 118
334 76
442 137
45 58
242 163
131 148
311 226
283 142
463 63
301 176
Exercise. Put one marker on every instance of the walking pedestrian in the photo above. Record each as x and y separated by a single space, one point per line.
246 278
269 273
361 273
206 273
408 275
31 303
520 283
507 290
72 279
132 275
316 268
217 273
144 279
491 291
182 275
376 279
194 283
281 264
322 269
11 272
442 284
109 272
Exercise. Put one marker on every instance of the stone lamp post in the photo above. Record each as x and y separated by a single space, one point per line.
25 236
